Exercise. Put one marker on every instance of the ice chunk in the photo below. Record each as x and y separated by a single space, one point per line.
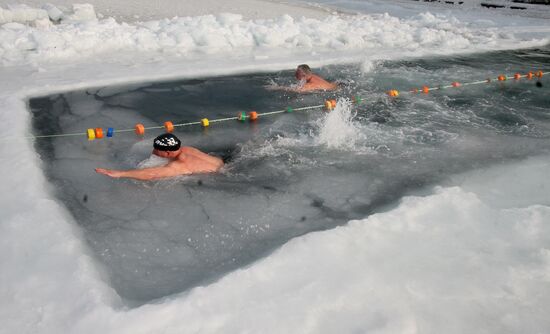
54 13
81 13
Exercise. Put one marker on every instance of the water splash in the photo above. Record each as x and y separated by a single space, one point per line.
368 65
153 161
338 130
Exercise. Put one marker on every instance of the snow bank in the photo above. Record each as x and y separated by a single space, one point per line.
81 36
446 262
48 12
21 13
147 10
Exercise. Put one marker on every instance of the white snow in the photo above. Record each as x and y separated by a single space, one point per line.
82 35
146 10
459 260
21 13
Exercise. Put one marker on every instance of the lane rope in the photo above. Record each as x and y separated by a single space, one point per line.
140 129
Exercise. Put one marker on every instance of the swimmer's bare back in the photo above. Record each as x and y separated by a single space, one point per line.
196 161
314 84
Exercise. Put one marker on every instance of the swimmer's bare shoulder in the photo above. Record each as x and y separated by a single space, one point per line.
179 167
188 151
309 82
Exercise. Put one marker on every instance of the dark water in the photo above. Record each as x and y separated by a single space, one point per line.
289 174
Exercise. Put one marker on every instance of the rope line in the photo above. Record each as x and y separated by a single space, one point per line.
253 115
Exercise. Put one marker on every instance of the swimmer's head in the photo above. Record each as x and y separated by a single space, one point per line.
302 72
165 144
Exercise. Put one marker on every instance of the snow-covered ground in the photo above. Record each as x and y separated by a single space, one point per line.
143 10
473 256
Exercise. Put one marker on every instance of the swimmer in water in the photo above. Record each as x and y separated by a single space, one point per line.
185 161
308 82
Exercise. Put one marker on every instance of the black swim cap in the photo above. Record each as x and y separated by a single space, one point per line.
167 142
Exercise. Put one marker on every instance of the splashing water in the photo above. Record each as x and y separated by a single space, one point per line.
368 66
153 161
338 130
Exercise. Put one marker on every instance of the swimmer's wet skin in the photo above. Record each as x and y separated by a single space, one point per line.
185 161
309 82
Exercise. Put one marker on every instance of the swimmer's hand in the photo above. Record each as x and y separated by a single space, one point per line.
109 172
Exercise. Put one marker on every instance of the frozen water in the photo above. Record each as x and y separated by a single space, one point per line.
286 175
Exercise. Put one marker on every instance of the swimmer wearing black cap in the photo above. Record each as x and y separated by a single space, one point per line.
185 161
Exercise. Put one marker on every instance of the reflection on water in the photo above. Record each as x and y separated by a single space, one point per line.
287 175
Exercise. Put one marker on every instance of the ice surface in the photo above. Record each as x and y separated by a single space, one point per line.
470 8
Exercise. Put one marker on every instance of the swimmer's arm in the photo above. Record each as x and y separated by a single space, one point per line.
304 89
146 174
287 89
283 88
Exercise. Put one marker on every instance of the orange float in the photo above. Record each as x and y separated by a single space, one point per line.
393 93
139 129
253 115
169 126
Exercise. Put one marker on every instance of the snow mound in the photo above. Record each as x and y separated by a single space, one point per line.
35 17
21 13
81 35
